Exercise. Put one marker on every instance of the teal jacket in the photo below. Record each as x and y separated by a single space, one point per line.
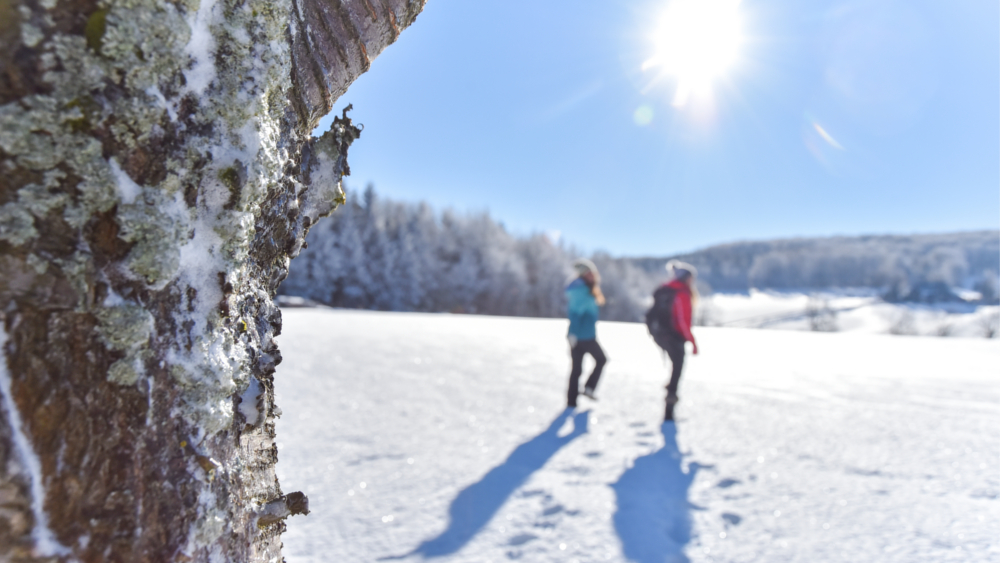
581 310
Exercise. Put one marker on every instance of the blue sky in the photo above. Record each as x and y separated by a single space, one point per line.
836 117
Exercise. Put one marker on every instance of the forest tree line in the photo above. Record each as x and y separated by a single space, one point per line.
381 254
892 263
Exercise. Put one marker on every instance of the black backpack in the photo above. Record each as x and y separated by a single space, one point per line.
659 317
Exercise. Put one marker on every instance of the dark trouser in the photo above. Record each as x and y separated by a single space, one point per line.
584 347
675 349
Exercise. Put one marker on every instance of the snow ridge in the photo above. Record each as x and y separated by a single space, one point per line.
45 542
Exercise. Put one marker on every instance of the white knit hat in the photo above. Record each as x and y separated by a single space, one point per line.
681 270
582 266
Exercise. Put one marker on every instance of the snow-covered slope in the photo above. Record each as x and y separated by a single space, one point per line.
848 311
444 437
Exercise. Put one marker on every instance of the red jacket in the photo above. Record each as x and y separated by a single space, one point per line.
682 309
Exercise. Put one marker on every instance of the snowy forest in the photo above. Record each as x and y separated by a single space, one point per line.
382 254
897 264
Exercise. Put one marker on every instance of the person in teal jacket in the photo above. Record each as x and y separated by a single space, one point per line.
583 297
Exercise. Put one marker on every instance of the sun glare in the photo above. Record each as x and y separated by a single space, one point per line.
695 42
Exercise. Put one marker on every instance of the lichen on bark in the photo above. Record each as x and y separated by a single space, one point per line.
156 176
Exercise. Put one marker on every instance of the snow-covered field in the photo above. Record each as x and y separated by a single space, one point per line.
847 311
422 436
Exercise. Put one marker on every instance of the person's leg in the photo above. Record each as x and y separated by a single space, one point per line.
576 354
675 349
600 359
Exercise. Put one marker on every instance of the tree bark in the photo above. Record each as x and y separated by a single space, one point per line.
156 177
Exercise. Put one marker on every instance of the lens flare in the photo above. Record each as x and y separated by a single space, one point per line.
643 115
827 137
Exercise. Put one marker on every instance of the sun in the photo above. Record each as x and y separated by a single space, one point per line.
696 42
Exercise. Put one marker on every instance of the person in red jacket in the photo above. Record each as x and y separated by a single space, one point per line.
685 295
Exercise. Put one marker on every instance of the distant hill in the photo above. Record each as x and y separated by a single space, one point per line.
896 263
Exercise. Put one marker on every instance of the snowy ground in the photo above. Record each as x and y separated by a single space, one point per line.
443 437
847 311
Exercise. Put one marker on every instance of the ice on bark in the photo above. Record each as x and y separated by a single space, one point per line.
45 541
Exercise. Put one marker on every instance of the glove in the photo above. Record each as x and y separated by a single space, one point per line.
572 341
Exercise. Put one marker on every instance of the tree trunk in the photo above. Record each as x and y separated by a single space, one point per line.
156 177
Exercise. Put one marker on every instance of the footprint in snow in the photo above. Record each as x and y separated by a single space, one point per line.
521 539
552 510
726 483
865 472
731 518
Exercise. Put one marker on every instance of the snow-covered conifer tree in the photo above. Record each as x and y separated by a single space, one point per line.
390 255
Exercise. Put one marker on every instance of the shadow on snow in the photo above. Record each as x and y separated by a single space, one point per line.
476 505
653 517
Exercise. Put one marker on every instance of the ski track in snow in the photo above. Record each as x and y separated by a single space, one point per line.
443 437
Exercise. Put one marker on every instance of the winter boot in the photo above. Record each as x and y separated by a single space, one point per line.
589 393
671 401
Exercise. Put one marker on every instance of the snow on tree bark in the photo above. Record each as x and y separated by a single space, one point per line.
156 177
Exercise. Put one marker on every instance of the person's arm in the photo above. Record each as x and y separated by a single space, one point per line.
575 313
573 306
682 318
592 309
